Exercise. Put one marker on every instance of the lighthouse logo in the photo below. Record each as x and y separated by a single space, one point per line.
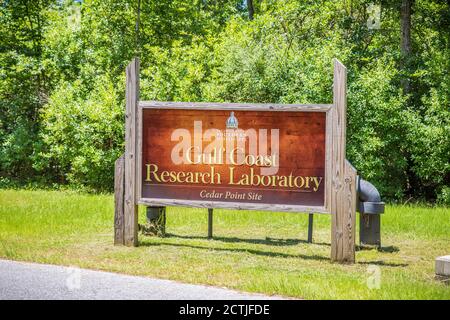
232 122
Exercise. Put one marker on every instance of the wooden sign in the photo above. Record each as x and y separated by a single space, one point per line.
233 156
274 157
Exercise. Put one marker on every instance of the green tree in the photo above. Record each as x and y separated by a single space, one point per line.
24 83
62 77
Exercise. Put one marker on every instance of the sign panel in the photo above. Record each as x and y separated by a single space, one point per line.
236 158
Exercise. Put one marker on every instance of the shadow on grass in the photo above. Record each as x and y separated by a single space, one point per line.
384 263
251 251
273 242
389 249
266 241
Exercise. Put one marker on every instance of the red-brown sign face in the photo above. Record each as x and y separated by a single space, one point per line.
262 157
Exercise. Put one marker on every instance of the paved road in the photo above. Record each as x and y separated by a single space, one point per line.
20 280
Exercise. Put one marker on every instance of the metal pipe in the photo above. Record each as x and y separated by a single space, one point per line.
210 223
370 206
369 199
310 227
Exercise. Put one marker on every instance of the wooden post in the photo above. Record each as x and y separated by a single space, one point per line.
349 223
119 175
343 194
130 207
210 223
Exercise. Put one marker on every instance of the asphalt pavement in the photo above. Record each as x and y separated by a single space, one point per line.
23 280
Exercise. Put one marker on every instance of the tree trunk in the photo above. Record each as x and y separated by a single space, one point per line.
405 16
138 20
251 10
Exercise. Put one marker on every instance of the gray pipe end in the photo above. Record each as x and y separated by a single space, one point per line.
371 207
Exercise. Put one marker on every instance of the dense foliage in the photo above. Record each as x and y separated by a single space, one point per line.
62 79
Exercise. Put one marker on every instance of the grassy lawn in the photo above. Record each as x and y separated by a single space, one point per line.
252 251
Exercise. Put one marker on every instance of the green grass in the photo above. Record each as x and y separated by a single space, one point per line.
253 251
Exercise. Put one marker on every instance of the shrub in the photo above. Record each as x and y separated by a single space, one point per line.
377 128
82 135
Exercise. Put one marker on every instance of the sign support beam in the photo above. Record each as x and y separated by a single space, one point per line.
130 207
343 176
210 223
119 175
310 227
